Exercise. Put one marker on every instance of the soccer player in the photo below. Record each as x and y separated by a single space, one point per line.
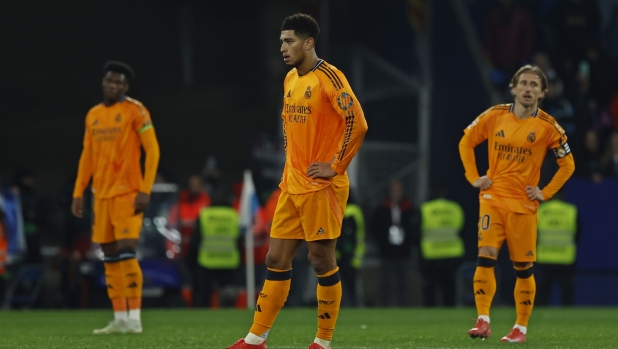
115 132
323 128
518 135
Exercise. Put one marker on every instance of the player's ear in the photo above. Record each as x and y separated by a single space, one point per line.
309 43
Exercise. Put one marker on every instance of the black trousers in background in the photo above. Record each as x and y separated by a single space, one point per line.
210 279
394 285
348 283
439 276
547 275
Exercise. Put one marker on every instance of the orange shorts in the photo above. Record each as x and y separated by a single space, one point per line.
115 219
312 216
519 231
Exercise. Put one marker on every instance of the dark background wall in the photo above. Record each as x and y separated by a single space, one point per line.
53 54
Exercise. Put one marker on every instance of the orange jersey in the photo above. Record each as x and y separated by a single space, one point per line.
322 121
517 149
112 150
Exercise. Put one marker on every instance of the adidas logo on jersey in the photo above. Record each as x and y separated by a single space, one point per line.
480 291
321 231
529 254
500 134
528 302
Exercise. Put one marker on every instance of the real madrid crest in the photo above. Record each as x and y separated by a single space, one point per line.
308 92
118 118
531 137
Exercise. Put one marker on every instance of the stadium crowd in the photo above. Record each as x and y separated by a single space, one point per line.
575 43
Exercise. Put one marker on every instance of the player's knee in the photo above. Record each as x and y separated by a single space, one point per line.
322 263
110 258
524 273
126 253
110 249
486 262
276 261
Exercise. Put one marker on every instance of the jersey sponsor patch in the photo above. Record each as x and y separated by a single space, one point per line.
562 151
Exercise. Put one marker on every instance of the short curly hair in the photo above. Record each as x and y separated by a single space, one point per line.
303 25
119 67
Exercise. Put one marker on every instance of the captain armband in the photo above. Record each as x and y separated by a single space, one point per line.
562 150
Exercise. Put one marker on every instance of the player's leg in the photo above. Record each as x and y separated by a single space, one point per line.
521 240
285 239
490 238
103 234
127 227
329 291
133 281
322 216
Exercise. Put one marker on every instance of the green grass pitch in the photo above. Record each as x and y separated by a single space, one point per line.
369 328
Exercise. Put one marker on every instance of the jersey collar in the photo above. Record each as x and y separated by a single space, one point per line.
317 65
533 114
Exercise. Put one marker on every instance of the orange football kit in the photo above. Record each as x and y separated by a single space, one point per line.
322 122
517 149
111 156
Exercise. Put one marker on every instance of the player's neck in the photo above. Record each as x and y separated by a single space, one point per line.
523 112
308 64
110 102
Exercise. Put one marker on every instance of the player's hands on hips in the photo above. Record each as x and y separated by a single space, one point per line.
534 193
141 202
483 183
320 170
77 207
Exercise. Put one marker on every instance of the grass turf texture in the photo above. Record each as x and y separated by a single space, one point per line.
295 328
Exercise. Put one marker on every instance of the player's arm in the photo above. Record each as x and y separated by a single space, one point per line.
345 103
150 144
566 164
474 134
84 172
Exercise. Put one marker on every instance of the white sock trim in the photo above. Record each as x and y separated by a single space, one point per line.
253 339
484 318
522 329
121 316
135 314
322 342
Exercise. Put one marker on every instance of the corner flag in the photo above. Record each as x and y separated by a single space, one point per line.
249 206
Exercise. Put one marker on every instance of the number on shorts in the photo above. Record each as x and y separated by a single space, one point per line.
485 222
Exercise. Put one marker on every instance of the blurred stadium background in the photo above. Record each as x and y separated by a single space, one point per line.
210 73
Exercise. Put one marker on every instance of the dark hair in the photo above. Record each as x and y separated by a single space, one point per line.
303 25
119 67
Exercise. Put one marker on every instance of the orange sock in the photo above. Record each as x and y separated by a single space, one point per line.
525 289
134 303
484 285
270 301
119 304
132 278
329 302
113 279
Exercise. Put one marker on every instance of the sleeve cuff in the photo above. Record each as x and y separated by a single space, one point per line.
336 169
145 188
